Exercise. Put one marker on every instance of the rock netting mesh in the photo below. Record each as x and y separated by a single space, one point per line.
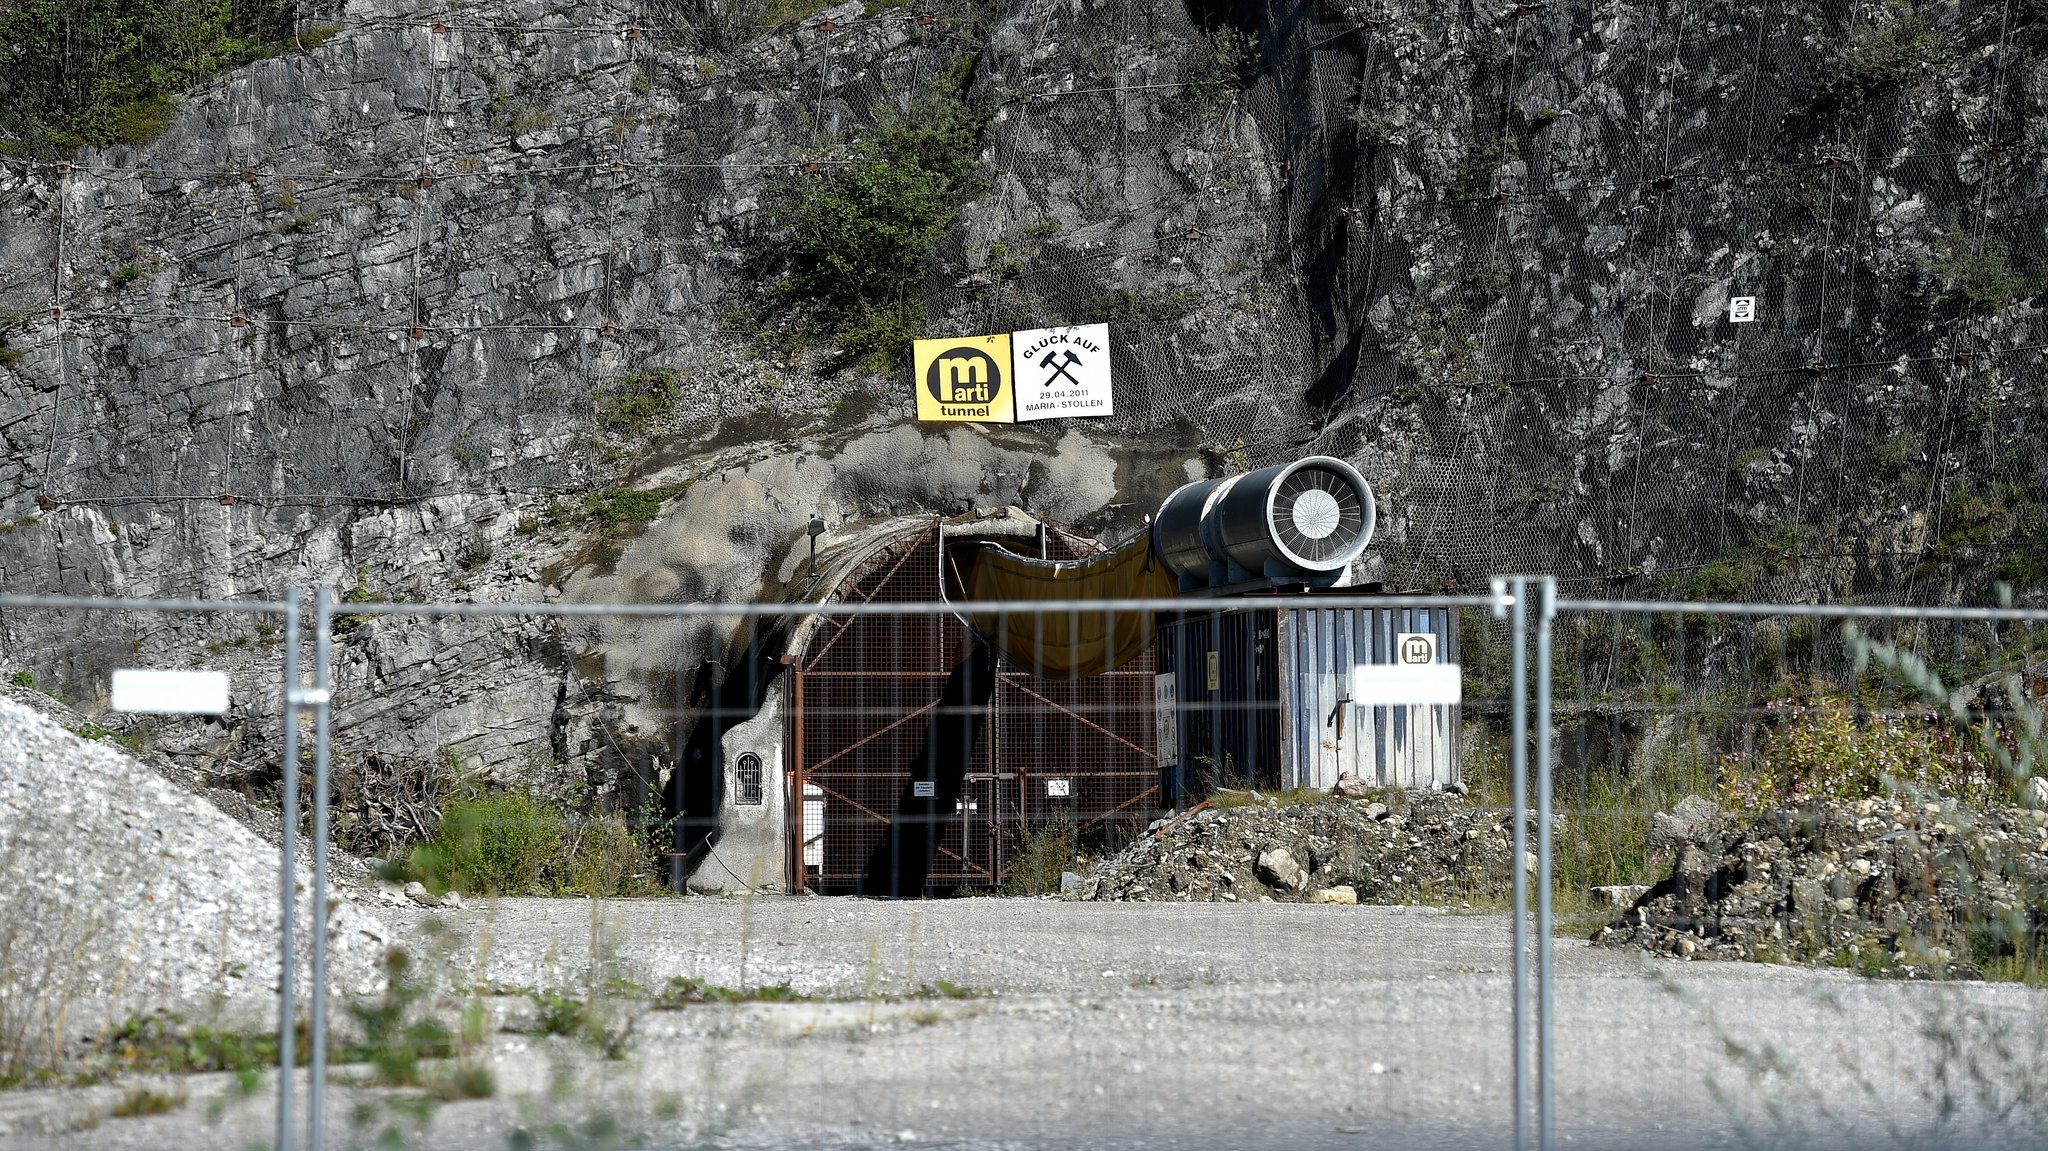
1487 255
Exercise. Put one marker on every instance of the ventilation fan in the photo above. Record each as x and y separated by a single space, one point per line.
1305 521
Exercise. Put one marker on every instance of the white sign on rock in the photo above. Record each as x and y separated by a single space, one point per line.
1061 371
1742 310
170 692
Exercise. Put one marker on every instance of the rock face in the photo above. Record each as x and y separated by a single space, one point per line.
378 294
120 893
1426 847
1879 885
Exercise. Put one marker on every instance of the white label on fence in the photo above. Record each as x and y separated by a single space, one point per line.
1164 698
814 825
170 692
1384 685
1742 309
1058 788
1412 647
920 789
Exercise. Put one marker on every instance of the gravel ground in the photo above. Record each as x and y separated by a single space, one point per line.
1161 1025
122 893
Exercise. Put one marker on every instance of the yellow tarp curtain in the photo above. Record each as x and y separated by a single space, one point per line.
1069 644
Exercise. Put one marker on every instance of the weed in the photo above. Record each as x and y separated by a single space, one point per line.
942 989
2002 528
616 516
140 1101
23 679
1049 852
633 405
513 843
558 1014
123 276
396 1037
683 991
1825 747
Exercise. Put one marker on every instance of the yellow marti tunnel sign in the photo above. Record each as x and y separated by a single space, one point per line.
965 378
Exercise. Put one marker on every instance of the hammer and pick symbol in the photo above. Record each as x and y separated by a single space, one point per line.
1059 370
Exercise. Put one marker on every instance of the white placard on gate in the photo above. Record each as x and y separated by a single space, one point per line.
170 692
1163 702
924 789
1397 685
1059 788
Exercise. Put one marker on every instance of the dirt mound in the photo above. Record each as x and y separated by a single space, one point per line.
1881 885
122 894
1419 847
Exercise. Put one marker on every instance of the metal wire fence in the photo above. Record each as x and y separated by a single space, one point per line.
1620 788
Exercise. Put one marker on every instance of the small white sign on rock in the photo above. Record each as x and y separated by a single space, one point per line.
1742 309
170 692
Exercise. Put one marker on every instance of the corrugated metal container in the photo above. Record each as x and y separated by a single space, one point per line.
1261 698
1325 733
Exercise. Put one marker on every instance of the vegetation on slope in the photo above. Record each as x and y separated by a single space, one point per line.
80 73
857 238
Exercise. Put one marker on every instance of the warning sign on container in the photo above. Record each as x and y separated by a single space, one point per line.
1061 372
966 378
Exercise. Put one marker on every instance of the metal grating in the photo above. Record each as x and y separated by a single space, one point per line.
869 689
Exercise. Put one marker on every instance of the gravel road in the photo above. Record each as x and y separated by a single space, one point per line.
1166 1026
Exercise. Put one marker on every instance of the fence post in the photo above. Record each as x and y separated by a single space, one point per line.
316 1090
1546 610
288 874
1511 592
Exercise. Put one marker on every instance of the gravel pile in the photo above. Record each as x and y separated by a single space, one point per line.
1882 885
1391 848
122 894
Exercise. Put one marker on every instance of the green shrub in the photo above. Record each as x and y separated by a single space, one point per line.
858 239
1977 270
633 405
1889 52
1824 747
513 843
92 72
505 842
1226 63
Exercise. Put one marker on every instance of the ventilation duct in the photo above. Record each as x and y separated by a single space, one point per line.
1302 522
